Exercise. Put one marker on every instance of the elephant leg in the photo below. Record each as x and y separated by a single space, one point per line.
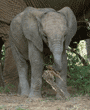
22 68
36 61
62 84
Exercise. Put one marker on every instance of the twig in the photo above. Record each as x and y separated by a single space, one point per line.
85 63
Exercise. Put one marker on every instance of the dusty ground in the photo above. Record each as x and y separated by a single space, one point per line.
48 102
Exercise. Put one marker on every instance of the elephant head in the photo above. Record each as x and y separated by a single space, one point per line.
55 28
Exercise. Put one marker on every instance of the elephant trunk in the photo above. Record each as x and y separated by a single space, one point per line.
57 59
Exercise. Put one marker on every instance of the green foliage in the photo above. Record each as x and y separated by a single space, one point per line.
48 60
86 20
89 24
80 78
79 75
3 52
1 89
2 107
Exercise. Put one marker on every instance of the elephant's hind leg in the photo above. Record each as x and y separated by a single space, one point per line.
36 62
22 68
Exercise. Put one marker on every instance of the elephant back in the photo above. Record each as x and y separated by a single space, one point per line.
10 8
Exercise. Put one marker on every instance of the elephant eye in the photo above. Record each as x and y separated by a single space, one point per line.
65 37
45 36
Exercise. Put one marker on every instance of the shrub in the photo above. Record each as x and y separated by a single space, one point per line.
78 75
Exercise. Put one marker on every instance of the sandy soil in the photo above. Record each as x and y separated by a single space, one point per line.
48 102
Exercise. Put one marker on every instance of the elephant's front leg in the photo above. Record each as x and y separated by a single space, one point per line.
36 62
23 87
22 68
62 84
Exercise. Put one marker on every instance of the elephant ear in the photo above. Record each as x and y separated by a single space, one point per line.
71 23
30 27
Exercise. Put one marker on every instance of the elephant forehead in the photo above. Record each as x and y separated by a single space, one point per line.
54 17
54 23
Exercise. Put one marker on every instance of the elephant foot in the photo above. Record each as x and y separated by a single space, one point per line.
25 93
35 97
66 96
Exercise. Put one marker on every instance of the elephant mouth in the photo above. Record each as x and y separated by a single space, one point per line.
57 67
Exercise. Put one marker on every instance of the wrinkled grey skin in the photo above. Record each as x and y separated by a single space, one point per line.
28 30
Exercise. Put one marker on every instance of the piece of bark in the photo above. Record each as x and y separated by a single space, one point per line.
48 75
52 71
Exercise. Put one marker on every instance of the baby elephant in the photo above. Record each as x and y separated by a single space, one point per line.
28 31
